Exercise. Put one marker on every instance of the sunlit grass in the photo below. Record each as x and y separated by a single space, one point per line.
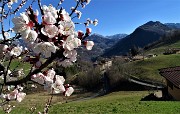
161 49
117 102
149 68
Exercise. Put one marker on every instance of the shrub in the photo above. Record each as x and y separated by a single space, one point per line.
91 79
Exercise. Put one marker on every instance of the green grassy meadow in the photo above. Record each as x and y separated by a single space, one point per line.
123 102
160 49
148 68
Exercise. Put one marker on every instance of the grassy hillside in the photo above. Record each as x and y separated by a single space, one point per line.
117 102
160 49
148 69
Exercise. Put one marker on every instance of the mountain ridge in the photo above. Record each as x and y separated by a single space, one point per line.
142 36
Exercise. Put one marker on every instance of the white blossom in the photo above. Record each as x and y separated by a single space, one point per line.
16 51
49 19
71 43
59 80
89 45
71 55
56 88
66 28
50 9
95 22
51 73
20 96
87 1
39 78
21 23
65 16
79 13
14 95
29 35
6 34
45 48
69 91
50 31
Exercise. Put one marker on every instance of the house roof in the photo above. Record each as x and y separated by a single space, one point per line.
172 74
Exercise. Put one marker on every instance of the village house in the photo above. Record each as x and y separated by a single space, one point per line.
172 76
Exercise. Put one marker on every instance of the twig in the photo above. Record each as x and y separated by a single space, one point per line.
2 25
5 76
19 6
49 103
77 5
39 4
28 77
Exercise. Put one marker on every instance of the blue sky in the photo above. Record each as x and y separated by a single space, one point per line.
123 16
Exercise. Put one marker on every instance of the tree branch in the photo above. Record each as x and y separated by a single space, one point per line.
2 25
77 5
6 73
28 77
39 4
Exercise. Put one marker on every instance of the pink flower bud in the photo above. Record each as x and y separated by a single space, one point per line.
88 31
80 34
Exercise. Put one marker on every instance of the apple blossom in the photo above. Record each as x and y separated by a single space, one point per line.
71 55
49 19
51 73
89 45
29 35
59 80
79 13
66 28
20 96
6 34
69 91
70 43
50 31
95 22
14 95
54 34
21 23
65 16
56 88
45 48
16 51
50 9
38 78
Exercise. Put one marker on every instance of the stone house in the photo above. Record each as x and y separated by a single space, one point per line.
172 77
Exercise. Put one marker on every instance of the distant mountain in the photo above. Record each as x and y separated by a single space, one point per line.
173 25
101 43
142 36
116 36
